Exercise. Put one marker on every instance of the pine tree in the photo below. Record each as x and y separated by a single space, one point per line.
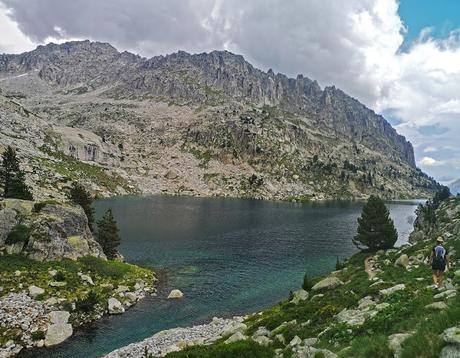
12 179
375 227
80 196
107 234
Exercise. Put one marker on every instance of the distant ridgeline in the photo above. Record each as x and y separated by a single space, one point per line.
204 124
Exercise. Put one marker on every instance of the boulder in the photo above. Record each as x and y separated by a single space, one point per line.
121 289
59 317
283 325
402 261
396 340
261 331
451 335
233 328
57 333
450 351
366 302
437 306
327 284
175 294
115 306
87 279
391 290
238 336
310 341
445 295
300 295
35 291
295 341
262 340
351 317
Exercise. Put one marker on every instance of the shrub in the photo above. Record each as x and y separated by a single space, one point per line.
38 207
37 335
307 283
87 304
19 233
59 276
339 265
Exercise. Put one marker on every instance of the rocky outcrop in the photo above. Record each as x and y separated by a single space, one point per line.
46 231
445 222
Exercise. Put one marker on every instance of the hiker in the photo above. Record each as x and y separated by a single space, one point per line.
439 260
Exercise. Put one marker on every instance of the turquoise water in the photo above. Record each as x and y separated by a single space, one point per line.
228 256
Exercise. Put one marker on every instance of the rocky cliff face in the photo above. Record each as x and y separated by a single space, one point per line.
46 231
212 124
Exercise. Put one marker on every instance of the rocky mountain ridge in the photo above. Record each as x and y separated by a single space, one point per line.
212 124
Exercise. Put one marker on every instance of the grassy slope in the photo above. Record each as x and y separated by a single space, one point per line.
406 312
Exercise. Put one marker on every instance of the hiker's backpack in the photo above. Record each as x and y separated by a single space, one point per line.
439 255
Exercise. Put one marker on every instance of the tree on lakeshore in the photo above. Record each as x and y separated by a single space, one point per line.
107 235
80 196
12 178
376 229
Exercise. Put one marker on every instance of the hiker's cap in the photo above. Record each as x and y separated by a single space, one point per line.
440 239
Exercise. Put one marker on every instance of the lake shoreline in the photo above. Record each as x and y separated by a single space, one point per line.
199 241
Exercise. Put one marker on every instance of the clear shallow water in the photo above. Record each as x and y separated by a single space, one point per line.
228 256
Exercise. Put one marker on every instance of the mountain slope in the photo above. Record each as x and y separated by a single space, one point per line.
455 187
212 124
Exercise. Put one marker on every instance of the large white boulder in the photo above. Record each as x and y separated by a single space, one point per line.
59 330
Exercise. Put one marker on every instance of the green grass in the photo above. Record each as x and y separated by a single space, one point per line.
242 349
375 346
113 269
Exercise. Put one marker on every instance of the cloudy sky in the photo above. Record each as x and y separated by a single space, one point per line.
401 58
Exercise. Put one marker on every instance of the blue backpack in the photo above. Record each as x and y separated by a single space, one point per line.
439 255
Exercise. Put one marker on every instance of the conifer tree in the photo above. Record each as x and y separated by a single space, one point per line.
80 196
12 179
375 227
107 234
